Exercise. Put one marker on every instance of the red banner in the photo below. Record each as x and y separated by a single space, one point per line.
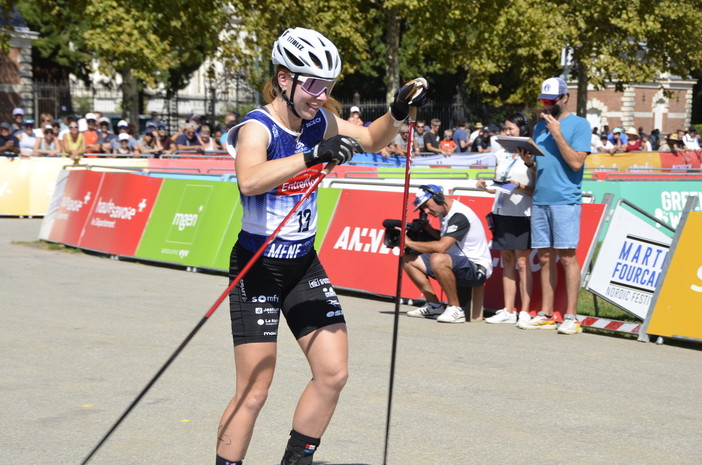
77 201
682 160
355 257
119 213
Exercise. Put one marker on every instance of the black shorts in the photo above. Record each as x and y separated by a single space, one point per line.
299 287
511 233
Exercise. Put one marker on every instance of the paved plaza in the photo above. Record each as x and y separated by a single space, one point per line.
82 335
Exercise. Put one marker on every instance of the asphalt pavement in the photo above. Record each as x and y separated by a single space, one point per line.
82 335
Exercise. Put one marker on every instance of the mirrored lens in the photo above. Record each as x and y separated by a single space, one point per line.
314 86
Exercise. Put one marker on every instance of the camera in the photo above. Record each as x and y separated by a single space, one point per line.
415 231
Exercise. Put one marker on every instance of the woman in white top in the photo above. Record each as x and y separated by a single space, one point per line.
27 139
511 229
49 144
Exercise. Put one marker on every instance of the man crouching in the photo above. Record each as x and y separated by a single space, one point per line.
458 255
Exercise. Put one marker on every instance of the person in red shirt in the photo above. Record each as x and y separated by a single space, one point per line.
634 142
447 144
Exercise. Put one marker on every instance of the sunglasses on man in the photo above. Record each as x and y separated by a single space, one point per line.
550 102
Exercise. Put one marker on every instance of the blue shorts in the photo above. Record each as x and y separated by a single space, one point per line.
555 226
466 271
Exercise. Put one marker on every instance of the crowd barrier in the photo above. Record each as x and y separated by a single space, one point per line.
194 223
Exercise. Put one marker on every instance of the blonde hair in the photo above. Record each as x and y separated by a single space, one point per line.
271 90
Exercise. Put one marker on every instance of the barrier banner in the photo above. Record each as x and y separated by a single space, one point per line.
683 160
217 166
677 308
14 186
457 159
629 263
664 199
48 223
189 224
119 213
77 200
355 257
623 161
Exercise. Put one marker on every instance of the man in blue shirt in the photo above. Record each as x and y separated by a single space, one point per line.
564 138
460 137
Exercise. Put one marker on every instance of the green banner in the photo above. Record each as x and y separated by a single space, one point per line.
327 200
663 199
192 223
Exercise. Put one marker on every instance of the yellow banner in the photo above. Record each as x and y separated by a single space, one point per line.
27 184
623 161
14 186
678 310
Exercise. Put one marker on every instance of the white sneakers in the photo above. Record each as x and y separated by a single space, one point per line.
427 311
570 326
503 316
443 313
452 314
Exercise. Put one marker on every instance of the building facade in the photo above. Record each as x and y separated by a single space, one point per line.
665 105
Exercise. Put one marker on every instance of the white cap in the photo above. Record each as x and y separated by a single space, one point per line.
89 116
122 124
552 88
123 136
355 109
18 111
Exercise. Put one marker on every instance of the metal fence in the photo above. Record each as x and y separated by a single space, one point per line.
373 109
59 99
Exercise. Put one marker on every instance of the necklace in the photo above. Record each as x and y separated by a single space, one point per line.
280 118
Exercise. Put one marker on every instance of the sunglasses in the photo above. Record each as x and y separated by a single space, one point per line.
550 102
73 127
315 86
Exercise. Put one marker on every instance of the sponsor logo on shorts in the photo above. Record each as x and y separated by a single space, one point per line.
334 302
270 333
318 282
262 310
333 313
329 292
267 321
265 298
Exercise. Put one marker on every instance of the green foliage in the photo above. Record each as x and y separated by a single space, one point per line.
494 51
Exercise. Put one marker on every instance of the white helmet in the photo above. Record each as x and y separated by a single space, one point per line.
305 51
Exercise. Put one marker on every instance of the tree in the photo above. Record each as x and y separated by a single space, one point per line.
142 40
630 41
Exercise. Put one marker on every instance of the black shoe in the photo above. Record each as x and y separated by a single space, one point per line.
291 458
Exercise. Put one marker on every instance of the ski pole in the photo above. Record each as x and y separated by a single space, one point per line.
396 320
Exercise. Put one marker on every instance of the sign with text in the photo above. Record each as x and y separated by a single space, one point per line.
629 264
119 213
664 199
74 206
188 224
678 307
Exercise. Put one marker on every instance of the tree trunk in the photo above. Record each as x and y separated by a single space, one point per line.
581 109
130 98
392 54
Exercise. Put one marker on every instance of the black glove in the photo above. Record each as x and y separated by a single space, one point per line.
413 93
339 148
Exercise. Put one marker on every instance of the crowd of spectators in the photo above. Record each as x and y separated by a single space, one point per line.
94 134
621 140
436 138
